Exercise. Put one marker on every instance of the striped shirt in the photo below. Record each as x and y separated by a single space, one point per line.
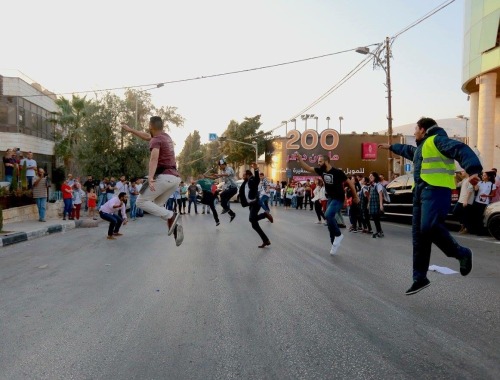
40 189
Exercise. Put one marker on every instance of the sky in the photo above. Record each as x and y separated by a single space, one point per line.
78 46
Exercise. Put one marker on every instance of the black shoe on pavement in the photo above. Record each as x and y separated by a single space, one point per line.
217 223
232 218
466 263
418 286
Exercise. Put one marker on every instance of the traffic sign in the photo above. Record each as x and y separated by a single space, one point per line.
212 136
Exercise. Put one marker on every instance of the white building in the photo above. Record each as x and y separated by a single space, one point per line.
26 109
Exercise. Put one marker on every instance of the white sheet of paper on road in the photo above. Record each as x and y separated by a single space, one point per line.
443 270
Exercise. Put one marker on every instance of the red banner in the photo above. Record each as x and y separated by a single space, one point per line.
368 151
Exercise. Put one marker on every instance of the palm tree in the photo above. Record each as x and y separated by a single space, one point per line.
70 120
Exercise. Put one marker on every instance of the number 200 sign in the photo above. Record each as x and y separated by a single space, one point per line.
328 139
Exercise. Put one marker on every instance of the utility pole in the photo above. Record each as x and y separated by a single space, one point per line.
389 103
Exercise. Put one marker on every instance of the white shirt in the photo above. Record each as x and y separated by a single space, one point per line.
29 163
319 194
485 188
466 196
108 208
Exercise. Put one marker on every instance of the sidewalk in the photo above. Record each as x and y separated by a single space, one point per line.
18 232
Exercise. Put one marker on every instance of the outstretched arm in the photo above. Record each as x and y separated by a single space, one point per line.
303 165
404 150
142 135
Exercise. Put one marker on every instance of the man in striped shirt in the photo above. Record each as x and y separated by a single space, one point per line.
40 193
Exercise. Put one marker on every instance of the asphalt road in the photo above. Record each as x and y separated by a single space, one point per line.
77 306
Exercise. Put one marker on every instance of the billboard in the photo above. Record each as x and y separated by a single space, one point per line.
351 153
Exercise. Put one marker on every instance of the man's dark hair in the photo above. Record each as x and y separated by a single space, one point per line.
156 122
122 194
326 158
426 123
249 172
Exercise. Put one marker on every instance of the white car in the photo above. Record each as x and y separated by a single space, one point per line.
492 219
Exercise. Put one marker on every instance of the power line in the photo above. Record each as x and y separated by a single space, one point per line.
332 89
205 76
423 18
364 62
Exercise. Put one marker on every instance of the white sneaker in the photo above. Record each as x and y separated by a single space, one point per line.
334 249
336 244
179 234
338 240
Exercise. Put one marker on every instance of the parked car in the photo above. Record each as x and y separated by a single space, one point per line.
235 197
401 195
492 219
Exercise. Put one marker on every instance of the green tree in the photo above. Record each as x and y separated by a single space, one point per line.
70 119
190 159
240 154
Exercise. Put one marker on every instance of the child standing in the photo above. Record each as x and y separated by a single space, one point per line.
92 203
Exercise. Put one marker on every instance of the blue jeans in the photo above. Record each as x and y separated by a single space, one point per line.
41 203
333 206
133 207
115 222
68 207
264 203
8 178
430 208
192 199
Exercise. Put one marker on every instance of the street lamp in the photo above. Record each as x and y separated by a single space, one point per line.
316 118
253 144
305 117
466 130
286 127
136 100
340 121
386 66
294 123
328 122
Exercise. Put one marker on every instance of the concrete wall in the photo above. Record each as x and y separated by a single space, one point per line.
30 212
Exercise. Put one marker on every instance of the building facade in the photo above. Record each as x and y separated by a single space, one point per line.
26 114
481 77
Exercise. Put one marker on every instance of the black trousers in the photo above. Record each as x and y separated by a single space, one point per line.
115 222
254 219
319 210
225 196
307 200
209 200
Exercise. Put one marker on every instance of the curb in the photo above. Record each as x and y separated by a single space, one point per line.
18 237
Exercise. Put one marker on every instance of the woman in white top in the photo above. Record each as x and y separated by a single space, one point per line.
486 190
319 195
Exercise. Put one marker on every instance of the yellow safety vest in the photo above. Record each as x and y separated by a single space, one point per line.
437 169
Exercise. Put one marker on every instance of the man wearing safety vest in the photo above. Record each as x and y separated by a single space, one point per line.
434 169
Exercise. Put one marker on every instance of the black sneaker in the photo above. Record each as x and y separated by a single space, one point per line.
216 224
466 263
232 218
380 234
418 286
